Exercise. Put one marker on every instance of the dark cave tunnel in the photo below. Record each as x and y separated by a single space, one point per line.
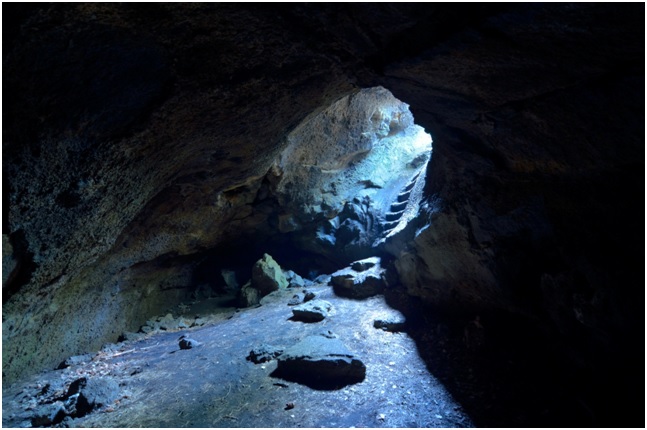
194 197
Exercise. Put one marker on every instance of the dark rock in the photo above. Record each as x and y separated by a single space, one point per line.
86 394
248 296
365 264
394 324
320 362
308 295
296 299
229 276
48 414
267 276
188 343
312 311
264 353
351 283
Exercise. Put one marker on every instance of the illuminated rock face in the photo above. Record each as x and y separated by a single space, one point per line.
137 139
341 169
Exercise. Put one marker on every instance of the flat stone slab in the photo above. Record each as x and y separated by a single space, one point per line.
367 282
312 311
320 362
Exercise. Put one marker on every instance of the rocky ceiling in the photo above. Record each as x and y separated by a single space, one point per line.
133 134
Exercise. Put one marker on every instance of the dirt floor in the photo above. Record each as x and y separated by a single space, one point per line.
214 385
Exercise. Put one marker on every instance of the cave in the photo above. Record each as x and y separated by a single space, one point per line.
323 215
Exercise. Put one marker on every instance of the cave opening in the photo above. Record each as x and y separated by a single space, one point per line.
349 178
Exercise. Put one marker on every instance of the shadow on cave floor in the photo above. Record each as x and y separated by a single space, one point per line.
506 372
214 385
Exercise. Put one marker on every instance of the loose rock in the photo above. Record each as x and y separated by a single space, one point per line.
370 281
48 414
296 299
267 276
86 394
249 296
320 362
188 343
294 280
394 324
312 311
264 353
363 265
308 295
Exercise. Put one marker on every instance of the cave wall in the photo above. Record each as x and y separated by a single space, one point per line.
135 138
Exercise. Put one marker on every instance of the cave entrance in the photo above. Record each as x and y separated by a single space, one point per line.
349 179
351 176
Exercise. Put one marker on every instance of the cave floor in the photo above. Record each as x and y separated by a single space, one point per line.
214 385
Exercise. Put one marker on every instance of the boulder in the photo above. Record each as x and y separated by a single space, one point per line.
294 280
264 353
361 284
312 311
86 394
248 296
321 362
267 276
48 414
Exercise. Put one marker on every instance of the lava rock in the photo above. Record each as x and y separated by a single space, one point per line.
167 322
86 394
308 295
48 414
359 285
248 296
312 311
320 362
394 324
296 299
267 276
365 264
264 353
294 280
188 343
